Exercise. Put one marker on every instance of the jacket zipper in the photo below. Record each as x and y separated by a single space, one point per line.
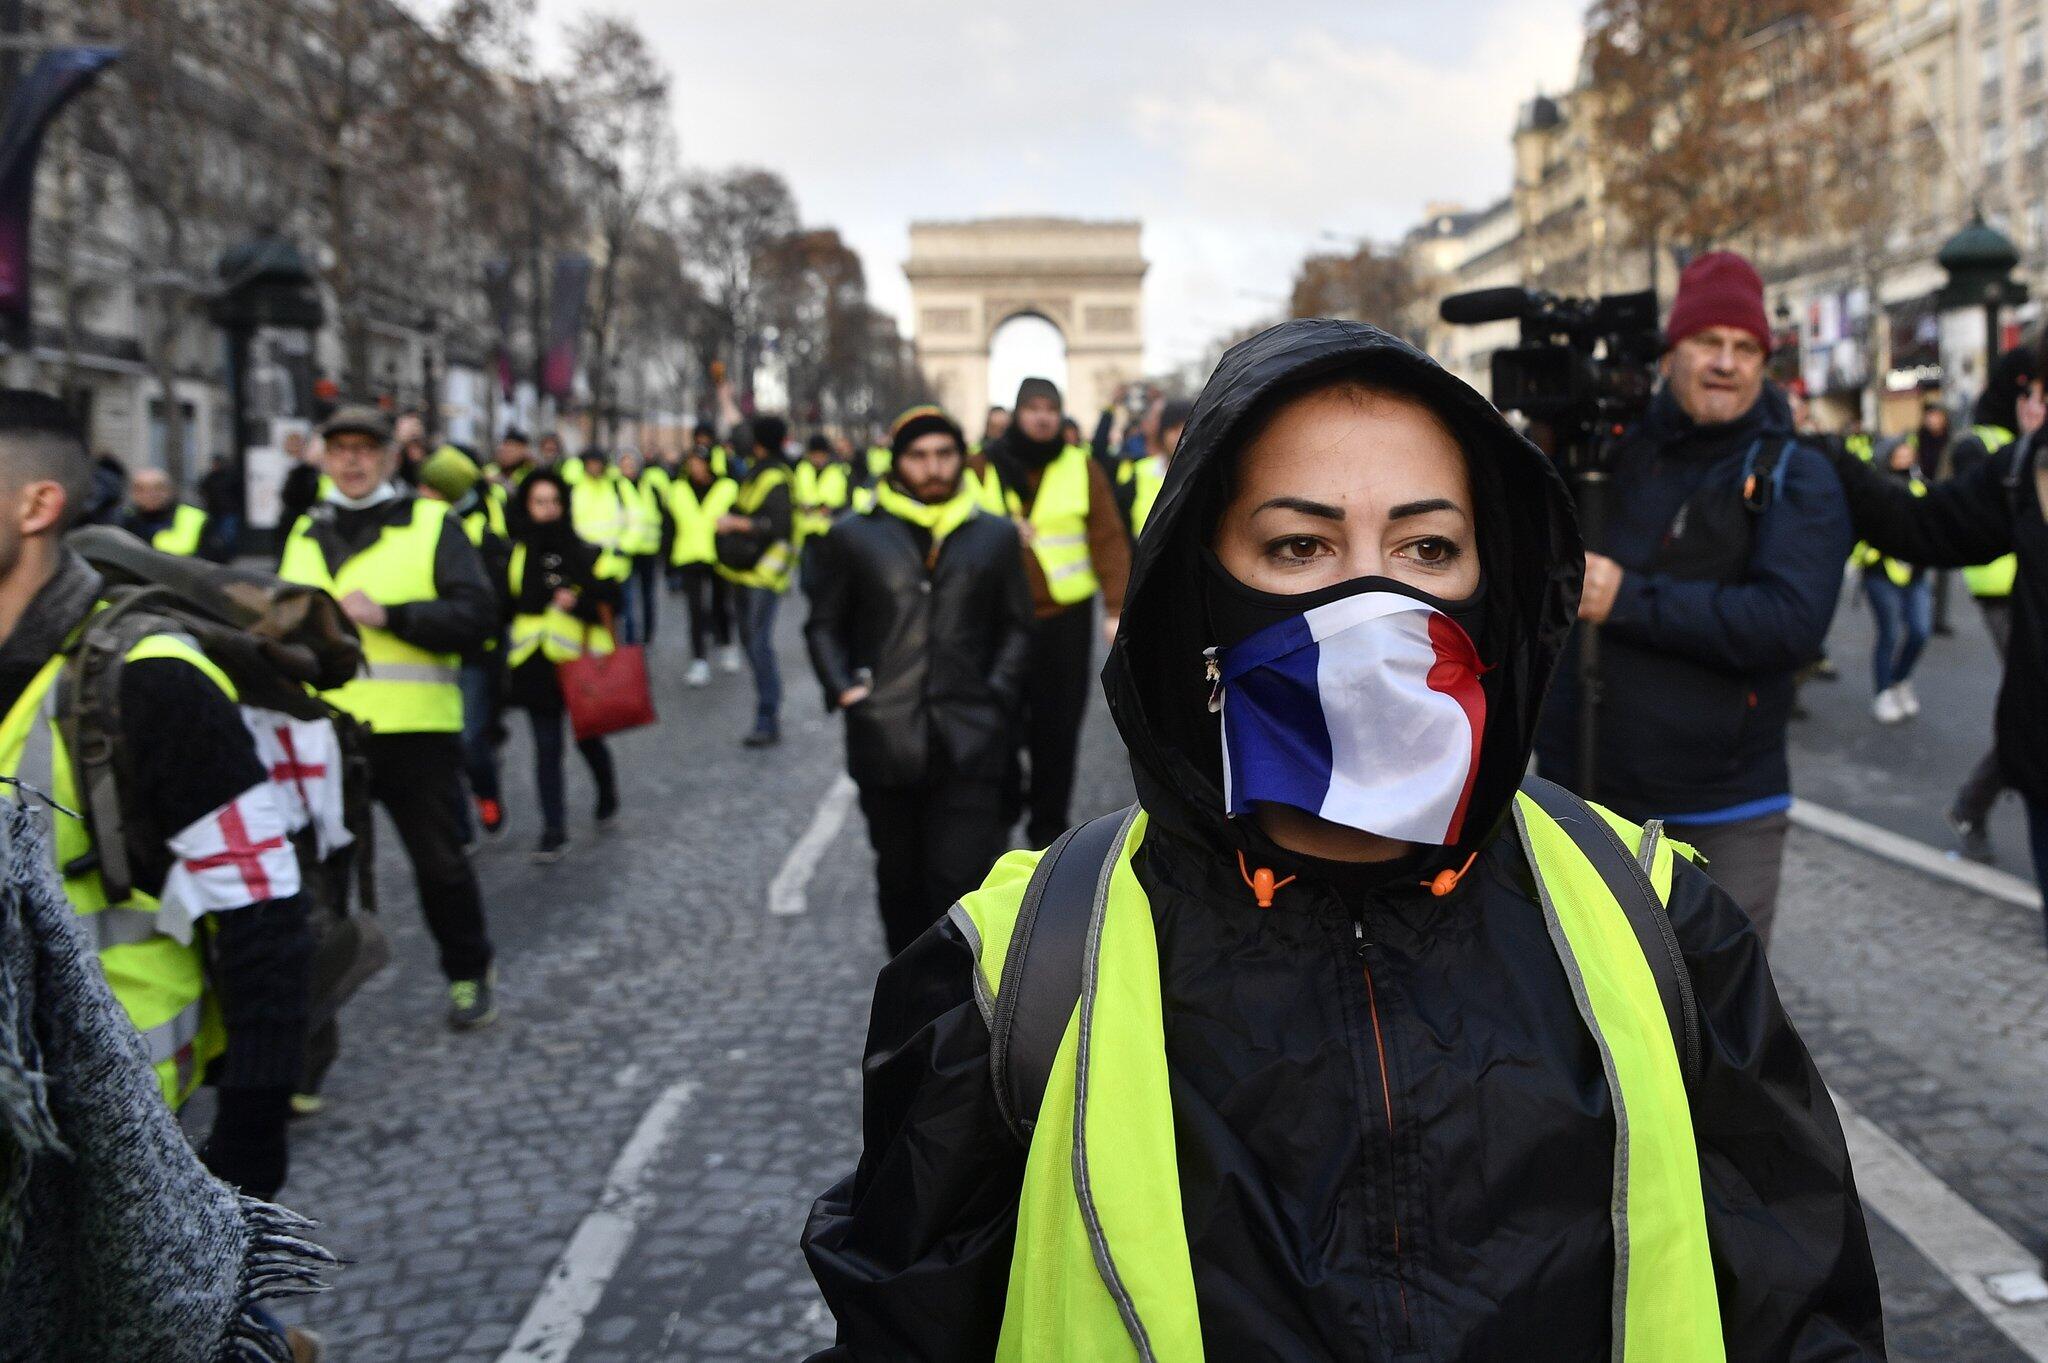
1360 943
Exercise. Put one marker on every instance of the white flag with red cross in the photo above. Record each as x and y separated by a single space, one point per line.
241 854
303 757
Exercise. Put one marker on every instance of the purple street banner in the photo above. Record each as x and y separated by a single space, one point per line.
565 326
498 292
56 77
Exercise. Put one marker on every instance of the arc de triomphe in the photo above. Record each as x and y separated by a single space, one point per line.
968 278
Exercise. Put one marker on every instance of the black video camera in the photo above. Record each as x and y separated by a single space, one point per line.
1586 366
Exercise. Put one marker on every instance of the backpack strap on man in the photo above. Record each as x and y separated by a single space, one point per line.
1041 981
1628 879
1763 476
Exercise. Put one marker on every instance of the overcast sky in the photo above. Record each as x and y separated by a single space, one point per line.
1241 134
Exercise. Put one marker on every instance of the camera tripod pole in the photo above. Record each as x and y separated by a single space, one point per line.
1589 489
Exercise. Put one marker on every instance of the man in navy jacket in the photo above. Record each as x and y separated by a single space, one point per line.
1715 581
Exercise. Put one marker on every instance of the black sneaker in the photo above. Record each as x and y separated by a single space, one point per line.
470 1002
1973 839
551 844
607 807
761 738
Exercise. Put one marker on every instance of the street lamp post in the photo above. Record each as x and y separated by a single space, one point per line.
265 282
1979 261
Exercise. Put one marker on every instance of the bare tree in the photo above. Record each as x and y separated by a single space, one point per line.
622 129
815 295
1366 285
734 220
1704 115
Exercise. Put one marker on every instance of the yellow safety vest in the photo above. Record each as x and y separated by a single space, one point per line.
402 689
1993 579
184 534
771 570
1868 556
160 981
487 515
1058 520
818 495
642 535
696 519
1101 1260
556 634
1149 474
600 511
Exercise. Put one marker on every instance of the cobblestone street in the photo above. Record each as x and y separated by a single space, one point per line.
643 978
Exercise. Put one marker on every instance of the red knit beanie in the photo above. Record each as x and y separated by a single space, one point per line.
1720 289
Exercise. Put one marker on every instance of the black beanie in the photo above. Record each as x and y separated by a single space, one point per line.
1039 388
922 421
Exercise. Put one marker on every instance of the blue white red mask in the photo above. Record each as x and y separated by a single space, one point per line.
1365 709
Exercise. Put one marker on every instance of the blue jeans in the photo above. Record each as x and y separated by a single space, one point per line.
479 683
1904 617
755 607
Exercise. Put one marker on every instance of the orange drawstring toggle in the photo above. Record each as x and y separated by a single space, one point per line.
1263 886
1446 880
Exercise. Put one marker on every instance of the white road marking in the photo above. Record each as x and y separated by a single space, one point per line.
1911 852
1993 1270
786 891
575 1285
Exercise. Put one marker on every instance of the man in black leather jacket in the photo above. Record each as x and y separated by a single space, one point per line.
919 632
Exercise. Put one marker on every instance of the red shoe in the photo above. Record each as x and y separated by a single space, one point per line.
491 815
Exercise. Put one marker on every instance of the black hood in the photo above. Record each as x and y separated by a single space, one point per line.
1999 404
1528 544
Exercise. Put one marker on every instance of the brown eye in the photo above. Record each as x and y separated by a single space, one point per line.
1435 551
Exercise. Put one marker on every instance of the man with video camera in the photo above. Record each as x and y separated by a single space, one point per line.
1718 566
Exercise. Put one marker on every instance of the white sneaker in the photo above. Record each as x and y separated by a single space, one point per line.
1909 701
699 674
729 658
1887 707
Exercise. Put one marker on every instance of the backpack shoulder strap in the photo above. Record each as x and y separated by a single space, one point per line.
1041 981
1629 881
1763 476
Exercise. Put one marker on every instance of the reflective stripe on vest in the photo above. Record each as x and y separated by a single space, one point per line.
555 634
183 535
403 688
159 981
1993 579
771 570
1058 520
1101 1268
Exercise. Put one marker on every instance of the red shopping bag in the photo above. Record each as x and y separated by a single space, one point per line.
607 693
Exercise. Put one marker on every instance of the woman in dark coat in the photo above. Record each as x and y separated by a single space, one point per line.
563 592
1337 1084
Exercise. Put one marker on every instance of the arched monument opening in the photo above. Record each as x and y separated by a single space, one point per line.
971 283
1022 347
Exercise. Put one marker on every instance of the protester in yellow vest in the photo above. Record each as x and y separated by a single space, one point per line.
408 576
696 501
155 516
513 462
1901 602
1076 547
451 476
755 542
822 490
210 956
1148 475
561 598
1989 441
640 548
705 444
1343 1042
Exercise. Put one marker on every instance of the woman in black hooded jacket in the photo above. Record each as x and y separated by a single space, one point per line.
1391 1131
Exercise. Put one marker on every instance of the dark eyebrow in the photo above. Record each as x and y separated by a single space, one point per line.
1321 510
1421 508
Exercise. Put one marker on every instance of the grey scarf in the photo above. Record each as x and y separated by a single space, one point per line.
115 1243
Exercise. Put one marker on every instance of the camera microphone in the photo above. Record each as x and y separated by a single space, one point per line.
1485 305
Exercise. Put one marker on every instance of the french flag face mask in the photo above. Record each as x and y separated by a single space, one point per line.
1364 708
